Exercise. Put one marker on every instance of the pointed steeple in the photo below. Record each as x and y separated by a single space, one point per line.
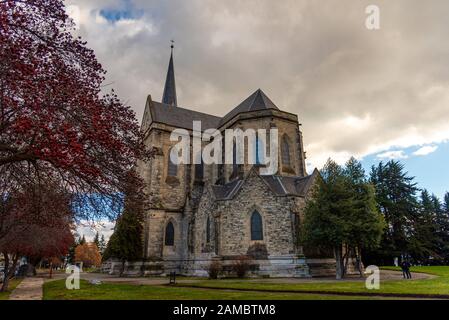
169 96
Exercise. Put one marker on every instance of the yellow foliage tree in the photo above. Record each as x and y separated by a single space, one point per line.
89 254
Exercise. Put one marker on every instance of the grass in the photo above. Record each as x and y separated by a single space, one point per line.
55 290
12 285
430 287
258 290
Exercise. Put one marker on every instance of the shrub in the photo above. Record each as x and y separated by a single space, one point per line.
214 269
241 266
258 251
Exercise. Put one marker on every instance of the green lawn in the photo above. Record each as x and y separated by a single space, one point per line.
436 286
12 285
55 290
222 289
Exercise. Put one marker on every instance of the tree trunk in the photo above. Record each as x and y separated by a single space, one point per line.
339 263
9 270
122 269
346 259
5 275
359 261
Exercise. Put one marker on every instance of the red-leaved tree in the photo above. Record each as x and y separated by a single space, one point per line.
37 223
54 121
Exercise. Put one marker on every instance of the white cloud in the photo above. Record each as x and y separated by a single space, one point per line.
392 155
423 151
357 92
89 229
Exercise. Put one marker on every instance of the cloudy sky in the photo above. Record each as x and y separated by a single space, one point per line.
378 95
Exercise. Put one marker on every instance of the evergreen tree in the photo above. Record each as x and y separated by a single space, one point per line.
442 229
446 203
366 222
423 238
126 242
82 240
102 244
342 213
97 239
396 200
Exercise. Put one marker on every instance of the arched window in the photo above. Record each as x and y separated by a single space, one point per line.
256 226
208 230
260 157
234 159
169 234
172 169
285 152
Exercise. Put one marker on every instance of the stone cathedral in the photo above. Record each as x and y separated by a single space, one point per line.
203 213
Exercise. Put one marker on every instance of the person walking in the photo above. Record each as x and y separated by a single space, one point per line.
407 270
403 268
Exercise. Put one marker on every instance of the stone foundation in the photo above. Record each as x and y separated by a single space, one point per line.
274 266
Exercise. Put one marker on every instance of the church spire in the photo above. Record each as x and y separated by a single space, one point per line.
169 96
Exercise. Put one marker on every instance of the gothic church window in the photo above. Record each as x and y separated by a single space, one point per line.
208 230
234 159
256 226
169 234
260 157
172 169
285 152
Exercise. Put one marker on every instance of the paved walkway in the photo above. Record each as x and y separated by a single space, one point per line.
28 289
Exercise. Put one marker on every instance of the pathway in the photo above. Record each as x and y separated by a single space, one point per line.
28 289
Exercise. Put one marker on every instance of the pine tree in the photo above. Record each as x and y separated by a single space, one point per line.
396 200
102 244
82 240
97 239
126 242
342 213
446 203
442 222
422 242
366 222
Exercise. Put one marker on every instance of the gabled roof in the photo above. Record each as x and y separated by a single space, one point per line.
228 190
180 117
279 185
257 101
296 186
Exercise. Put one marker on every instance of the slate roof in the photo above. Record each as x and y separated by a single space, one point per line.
228 190
279 185
257 101
180 117
173 115
283 186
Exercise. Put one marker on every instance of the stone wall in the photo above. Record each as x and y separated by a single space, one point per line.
189 203
232 218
